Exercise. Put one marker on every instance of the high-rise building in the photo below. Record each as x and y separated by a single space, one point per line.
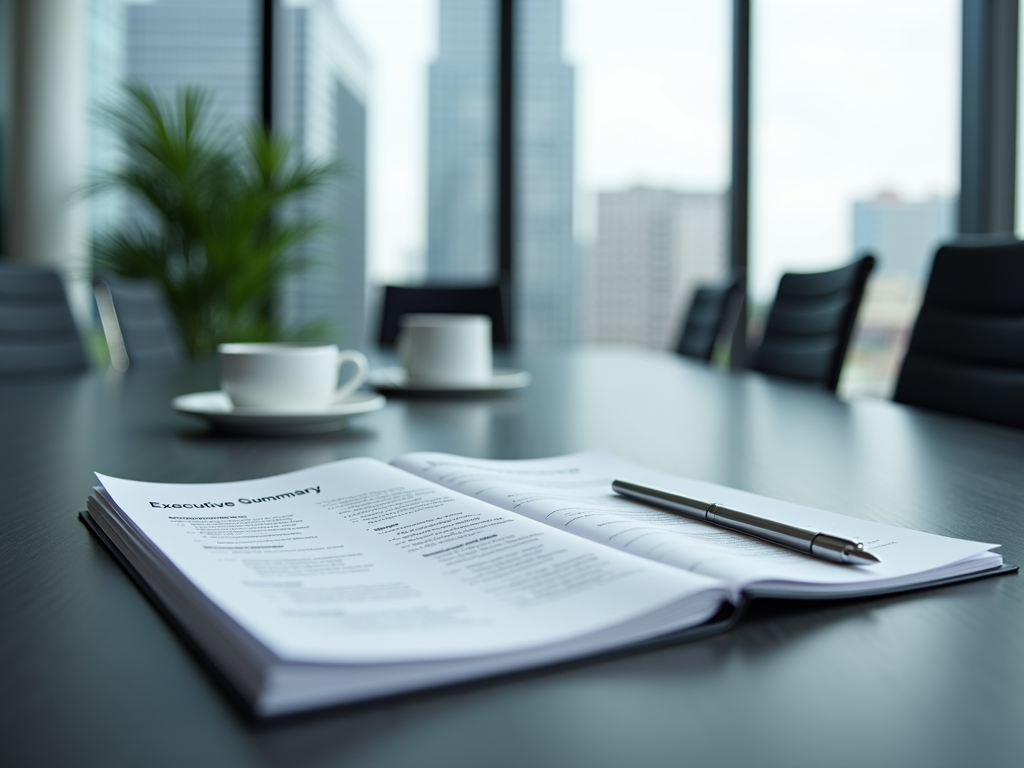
902 234
174 43
652 248
322 107
461 141
547 265
462 161
321 89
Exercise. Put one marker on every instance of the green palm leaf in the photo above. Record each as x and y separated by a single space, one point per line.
216 216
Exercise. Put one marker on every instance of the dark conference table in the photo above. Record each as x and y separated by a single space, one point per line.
91 674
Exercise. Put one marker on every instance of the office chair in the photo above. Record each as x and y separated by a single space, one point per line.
38 335
461 300
712 312
966 352
810 323
137 323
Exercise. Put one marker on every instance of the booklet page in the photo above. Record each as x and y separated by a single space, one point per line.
358 561
573 493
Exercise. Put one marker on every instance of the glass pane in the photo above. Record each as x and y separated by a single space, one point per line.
650 137
399 38
107 54
320 92
320 89
855 133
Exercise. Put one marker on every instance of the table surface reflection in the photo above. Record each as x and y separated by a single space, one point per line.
91 674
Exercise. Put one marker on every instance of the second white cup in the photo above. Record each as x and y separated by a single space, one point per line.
446 350
288 377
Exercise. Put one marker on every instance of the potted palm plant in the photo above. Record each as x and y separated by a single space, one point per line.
210 216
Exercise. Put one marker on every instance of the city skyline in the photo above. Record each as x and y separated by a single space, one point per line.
584 28
652 106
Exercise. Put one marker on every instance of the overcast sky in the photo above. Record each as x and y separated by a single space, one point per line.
851 98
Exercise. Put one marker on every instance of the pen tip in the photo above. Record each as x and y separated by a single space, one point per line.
860 557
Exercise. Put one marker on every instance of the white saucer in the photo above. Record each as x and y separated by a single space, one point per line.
394 380
217 409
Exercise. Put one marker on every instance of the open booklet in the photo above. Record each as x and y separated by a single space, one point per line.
359 579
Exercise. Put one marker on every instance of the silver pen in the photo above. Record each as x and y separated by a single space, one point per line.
833 548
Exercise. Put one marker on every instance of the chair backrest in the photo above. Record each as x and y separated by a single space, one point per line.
966 352
810 323
711 312
460 300
37 332
137 322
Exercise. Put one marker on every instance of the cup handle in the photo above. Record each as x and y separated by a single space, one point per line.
358 359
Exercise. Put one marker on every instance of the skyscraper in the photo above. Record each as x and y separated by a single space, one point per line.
461 141
462 161
321 90
653 246
547 277
173 43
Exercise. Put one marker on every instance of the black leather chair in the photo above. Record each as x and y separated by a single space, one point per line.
459 300
38 335
137 323
712 312
966 352
810 323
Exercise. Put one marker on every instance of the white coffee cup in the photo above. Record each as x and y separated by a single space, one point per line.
446 350
287 377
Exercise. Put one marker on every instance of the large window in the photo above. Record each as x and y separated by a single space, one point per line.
620 107
622 131
855 126
622 152
320 77
400 41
